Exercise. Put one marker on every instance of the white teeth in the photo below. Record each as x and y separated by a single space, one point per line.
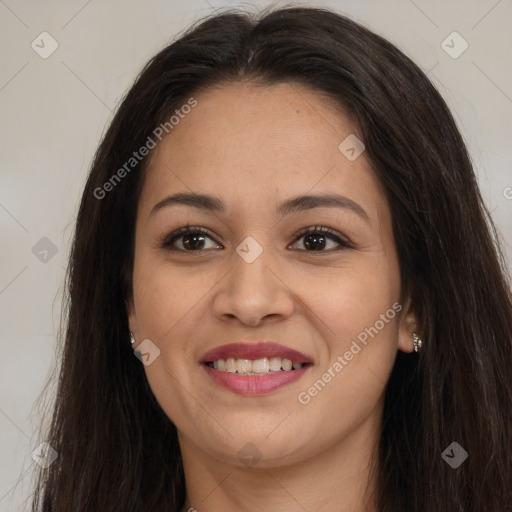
255 367
243 365
231 365
260 365
275 364
286 365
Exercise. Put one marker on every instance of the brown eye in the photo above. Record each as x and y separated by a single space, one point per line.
189 239
317 239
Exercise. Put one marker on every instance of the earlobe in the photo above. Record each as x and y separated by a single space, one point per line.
408 329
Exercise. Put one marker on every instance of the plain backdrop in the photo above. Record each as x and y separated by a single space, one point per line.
54 110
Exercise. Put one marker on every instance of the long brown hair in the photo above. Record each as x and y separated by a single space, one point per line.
117 449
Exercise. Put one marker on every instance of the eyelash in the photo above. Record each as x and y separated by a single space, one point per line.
191 230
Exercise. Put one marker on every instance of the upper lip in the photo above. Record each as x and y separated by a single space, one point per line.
257 350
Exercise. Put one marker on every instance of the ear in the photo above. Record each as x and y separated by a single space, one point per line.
132 318
408 325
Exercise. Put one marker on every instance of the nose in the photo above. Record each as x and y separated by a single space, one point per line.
252 292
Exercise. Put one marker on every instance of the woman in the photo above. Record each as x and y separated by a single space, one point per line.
283 224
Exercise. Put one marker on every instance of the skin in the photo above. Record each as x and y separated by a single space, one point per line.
254 147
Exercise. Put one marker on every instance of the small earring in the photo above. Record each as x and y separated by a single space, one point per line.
132 338
416 340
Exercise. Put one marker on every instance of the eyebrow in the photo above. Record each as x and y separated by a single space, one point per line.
211 203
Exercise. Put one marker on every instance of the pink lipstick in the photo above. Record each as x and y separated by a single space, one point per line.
255 368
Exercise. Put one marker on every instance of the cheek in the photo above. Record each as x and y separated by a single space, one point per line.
164 295
352 298
167 300
358 315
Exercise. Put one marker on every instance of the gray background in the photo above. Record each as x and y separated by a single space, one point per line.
54 111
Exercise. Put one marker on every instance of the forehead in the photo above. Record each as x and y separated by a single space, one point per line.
261 143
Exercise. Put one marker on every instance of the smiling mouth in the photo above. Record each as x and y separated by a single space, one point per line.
250 367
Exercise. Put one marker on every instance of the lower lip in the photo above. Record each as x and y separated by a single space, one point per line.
254 384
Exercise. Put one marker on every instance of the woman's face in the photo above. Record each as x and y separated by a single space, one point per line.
266 279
